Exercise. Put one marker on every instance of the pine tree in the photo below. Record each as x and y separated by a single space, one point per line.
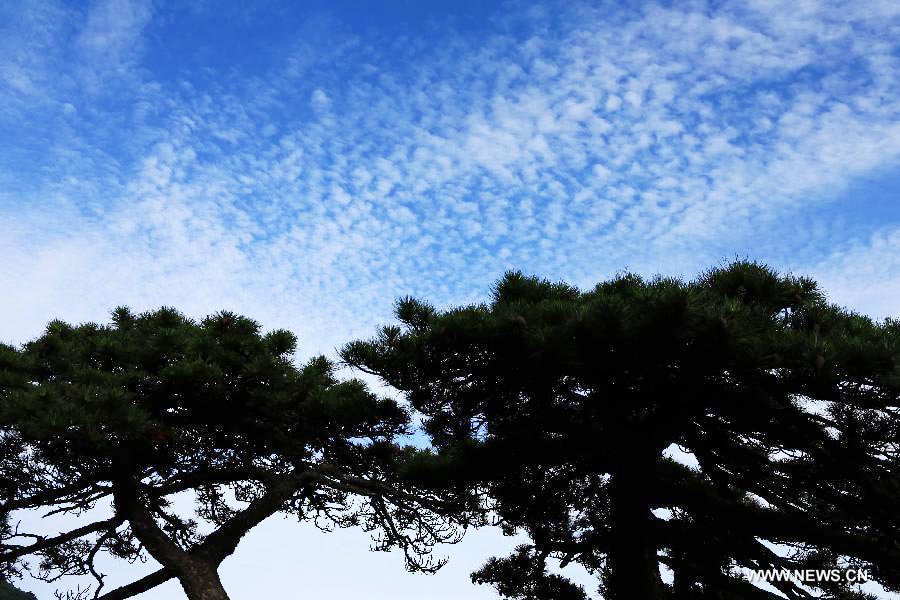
125 416
578 415
10 592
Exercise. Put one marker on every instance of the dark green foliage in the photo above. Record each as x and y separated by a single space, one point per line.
126 415
523 576
561 408
10 592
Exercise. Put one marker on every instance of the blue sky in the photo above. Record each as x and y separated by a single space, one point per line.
308 163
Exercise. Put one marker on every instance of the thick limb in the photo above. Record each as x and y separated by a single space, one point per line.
198 578
196 569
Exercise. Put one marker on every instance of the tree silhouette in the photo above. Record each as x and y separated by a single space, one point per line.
10 592
568 410
118 420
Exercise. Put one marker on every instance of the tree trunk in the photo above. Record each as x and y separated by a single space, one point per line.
198 577
682 584
201 582
633 563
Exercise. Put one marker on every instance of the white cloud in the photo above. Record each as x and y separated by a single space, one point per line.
864 274
319 99
111 37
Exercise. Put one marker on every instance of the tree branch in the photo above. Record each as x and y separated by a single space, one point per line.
140 586
44 543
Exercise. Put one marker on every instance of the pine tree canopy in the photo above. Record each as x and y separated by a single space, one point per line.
10 592
736 421
123 417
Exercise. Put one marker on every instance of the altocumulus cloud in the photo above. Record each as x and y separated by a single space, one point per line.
308 167
344 167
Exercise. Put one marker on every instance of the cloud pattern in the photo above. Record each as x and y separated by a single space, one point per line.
568 141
